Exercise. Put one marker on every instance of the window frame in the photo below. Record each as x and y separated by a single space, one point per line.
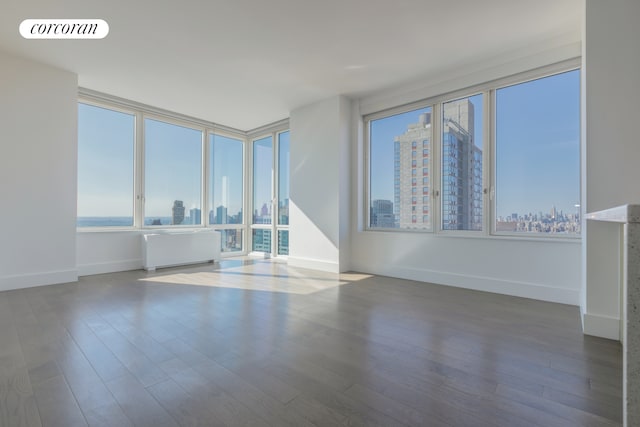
486 153
367 163
208 190
488 89
141 112
274 133
493 186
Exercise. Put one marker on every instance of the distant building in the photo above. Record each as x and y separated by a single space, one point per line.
262 240
412 181
221 215
178 212
382 214
461 169
283 242
195 216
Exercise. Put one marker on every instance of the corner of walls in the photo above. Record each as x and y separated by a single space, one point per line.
344 182
318 197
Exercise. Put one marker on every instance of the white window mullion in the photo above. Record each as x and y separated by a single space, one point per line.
436 168
487 163
139 171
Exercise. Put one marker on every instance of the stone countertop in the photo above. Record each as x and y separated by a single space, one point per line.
622 214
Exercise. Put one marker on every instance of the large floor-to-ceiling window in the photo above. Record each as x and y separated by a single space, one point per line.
261 229
226 190
270 201
283 166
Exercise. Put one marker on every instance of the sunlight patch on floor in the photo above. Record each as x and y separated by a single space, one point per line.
260 276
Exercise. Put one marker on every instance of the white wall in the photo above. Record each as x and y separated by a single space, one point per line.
611 68
38 138
540 269
108 251
319 192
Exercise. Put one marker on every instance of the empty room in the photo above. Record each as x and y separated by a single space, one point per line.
339 213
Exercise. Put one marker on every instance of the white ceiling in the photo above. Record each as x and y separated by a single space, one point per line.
247 63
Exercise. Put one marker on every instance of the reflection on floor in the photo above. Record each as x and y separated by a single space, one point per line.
258 275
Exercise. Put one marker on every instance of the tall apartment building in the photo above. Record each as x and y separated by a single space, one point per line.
177 212
461 169
412 183
461 172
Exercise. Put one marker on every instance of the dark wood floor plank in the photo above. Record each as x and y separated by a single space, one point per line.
206 394
105 363
186 410
108 415
137 404
17 402
262 404
57 405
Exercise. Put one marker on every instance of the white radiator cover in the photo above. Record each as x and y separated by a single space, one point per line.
172 248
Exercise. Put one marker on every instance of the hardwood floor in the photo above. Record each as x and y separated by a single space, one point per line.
258 343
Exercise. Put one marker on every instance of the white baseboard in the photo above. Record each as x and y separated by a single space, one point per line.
109 267
313 264
479 283
21 281
601 326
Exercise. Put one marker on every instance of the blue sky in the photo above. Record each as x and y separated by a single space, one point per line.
105 162
262 173
172 169
226 155
537 145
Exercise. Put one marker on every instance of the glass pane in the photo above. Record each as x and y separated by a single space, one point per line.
106 141
262 180
394 169
231 240
538 156
283 178
225 180
173 171
462 164
261 240
283 242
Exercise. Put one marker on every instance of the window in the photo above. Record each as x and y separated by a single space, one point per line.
525 180
261 239
283 178
283 193
262 180
262 193
283 242
106 141
226 177
462 191
391 183
140 167
538 156
173 174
